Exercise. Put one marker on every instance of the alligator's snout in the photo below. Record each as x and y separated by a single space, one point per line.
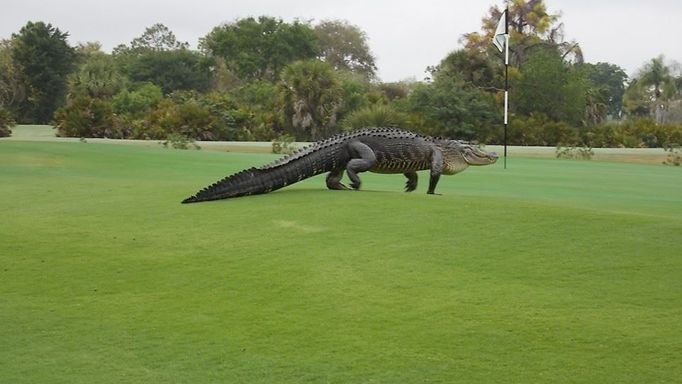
493 155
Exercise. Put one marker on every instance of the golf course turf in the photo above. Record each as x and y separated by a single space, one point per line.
554 271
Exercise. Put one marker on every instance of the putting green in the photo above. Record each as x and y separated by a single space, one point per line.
549 271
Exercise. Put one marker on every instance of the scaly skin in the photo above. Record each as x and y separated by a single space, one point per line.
381 150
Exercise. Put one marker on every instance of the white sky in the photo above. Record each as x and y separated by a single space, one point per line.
405 36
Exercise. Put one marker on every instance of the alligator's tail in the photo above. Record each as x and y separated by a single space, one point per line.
308 162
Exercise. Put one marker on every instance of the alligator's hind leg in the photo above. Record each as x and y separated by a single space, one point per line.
363 158
334 180
411 184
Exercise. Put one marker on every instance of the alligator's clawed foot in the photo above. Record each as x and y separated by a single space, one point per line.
355 185
411 184
338 187
409 187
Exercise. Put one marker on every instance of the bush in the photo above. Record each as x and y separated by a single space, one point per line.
374 116
634 134
179 141
146 114
255 112
6 122
230 118
576 153
284 144
538 129
674 155
138 102
84 116
451 108
189 119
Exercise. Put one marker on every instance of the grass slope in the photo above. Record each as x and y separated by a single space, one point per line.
551 271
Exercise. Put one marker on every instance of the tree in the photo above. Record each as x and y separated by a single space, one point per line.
157 57
452 107
656 78
344 47
656 75
654 90
46 59
550 86
135 103
12 88
88 48
260 48
98 77
155 38
596 105
311 96
636 101
609 81
530 25
473 67
179 69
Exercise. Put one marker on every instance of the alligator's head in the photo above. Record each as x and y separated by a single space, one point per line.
458 155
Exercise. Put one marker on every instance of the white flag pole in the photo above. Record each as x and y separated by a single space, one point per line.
502 30
506 81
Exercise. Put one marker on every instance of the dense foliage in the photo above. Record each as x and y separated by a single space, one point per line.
45 58
260 48
263 79
6 122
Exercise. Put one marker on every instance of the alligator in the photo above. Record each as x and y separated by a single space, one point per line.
380 150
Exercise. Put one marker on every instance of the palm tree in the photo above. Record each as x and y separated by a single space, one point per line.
655 74
311 95
656 77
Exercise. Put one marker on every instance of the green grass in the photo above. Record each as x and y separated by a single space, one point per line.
550 271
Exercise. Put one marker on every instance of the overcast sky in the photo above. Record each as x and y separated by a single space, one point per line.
405 36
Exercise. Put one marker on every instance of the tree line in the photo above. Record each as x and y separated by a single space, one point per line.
265 79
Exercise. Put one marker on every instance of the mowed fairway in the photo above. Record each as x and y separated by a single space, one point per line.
551 271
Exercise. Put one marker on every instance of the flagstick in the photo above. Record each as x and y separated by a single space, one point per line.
496 41
506 93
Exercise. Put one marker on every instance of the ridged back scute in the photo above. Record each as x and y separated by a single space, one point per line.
339 139
225 186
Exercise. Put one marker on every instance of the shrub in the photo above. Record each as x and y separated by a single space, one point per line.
255 111
284 144
257 132
146 114
6 122
84 116
633 134
374 116
576 153
538 129
674 155
611 135
179 141
189 119
230 118
138 102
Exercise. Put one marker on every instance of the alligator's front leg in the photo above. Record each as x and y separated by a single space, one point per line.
362 159
436 170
